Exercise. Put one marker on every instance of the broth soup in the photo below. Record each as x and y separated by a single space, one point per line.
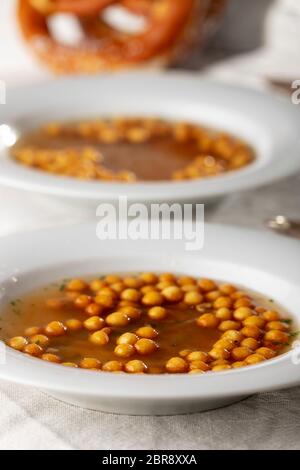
132 149
146 323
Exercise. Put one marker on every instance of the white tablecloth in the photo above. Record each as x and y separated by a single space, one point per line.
29 419
32 420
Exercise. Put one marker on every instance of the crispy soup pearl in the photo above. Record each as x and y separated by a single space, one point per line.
117 287
172 293
233 335
146 332
271 315
224 313
157 313
145 346
149 288
124 350
254 321
55 328
199 365
93 309
212 295
132 312
223 302
207 285
82 301
107 292
100 338
251 332
219 353
76 285
238 364
51 358
185 352
161 285
177 365
227 289
133 282
131 294
250 343
241 313
229 325
135 367
190 288
197 356
117 319
149 278
186 280
221 367
112 278
97 284
33 349
277 336
225 343
90 363
267 353
105 301
153 298
18 343
193 298
218 362
41 340
33 330
239 354
254 359
127 338
196 371
113 366
208 320
69 364
169 277
94 323
276 325
73 324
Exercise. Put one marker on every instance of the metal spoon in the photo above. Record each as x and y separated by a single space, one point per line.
285 226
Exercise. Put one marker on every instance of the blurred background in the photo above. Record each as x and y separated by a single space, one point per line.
254 43
250 43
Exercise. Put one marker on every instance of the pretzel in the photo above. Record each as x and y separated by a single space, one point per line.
168 26
105 48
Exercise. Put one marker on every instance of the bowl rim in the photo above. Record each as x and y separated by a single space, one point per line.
276 373
169 93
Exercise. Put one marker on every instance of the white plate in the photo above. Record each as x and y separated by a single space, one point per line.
271 125
264 262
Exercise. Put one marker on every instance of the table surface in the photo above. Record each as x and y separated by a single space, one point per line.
32 420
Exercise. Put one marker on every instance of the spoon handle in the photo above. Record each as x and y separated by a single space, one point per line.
284 226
